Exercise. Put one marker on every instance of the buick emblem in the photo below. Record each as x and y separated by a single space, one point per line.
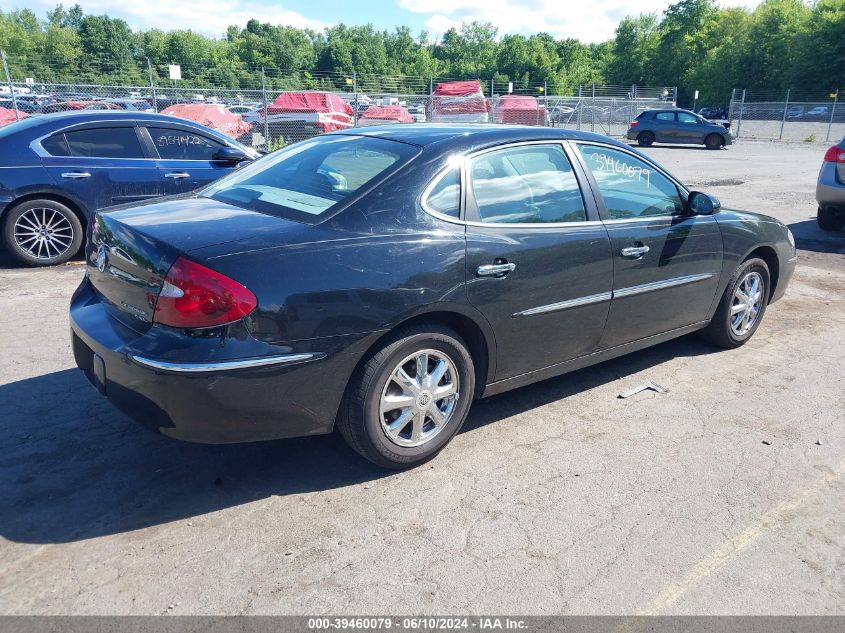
102 258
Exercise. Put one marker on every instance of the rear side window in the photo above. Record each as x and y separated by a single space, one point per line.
445 196
665 116
56 145
310 178
533 184
176 144
113 142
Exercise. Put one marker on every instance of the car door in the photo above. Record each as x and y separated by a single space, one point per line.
101 164
185 157
665 127
690 128
666 262
538 259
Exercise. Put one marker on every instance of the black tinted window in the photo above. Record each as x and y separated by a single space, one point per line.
176 144
112 142
445 196
530 184
56 145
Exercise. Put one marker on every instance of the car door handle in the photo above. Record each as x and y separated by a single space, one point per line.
634 251
76 175
177 175
495 270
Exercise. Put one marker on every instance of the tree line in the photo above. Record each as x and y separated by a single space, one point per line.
694 45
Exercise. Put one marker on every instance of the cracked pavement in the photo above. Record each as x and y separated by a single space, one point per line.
557 498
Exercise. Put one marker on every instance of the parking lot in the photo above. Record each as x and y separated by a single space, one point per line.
725 495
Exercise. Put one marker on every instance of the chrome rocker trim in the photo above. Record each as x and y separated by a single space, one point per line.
225 365
564 305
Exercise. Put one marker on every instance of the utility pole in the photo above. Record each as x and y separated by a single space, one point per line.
152 84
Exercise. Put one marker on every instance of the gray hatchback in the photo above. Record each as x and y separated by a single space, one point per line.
677 126
830 189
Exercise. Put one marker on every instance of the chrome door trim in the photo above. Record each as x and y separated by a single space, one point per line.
661 285
76 175
226 365
565 305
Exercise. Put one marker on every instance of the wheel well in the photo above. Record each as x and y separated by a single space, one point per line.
768 255
70 204
468 329
644 132
721 137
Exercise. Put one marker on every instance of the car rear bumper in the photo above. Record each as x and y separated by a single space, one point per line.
829 191
248 395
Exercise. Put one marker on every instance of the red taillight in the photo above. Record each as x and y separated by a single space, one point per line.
634 123
194 296
834 155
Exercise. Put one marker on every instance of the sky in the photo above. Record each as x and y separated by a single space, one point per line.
590 21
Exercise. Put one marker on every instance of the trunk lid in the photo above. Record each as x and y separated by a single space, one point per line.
132 247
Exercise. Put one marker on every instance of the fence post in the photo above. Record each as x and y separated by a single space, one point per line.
580 105
492 89
785 108
355 90
741 108
593 111
11 87
832 110
546 103
152 84
266 113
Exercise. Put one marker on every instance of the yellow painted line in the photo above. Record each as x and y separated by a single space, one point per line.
734 546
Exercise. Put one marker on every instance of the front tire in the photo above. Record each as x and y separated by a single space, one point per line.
645 139
714 141
742 306
410 398
829 220
42 232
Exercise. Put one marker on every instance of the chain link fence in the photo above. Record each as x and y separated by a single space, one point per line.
270 108
790 116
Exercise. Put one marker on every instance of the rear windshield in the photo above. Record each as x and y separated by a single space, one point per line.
310 179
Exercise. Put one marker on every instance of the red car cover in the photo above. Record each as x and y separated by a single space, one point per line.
8 116
385 114
325 109
519 109
211 115
459 101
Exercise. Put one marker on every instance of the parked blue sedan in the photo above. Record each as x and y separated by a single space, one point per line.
57 170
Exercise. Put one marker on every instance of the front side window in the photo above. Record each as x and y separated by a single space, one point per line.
630 187
685 117
310 178
179 144
112 142
445 196
533 184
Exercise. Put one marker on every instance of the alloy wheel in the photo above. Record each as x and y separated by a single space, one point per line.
419 398
747 303
43 233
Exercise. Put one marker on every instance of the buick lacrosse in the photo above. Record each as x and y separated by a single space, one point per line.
379 280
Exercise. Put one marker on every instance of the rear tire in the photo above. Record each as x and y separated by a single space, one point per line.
714 141
389 414
645 139
42 232
829 220
741 307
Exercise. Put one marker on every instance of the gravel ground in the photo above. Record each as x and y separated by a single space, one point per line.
725 495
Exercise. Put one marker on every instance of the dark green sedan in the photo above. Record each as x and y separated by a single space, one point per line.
378 280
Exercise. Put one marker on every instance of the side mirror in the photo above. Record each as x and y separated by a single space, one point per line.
700 203
230 155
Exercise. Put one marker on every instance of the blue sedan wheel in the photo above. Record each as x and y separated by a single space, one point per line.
42 232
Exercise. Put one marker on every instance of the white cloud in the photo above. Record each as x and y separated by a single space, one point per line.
586 21
201 16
